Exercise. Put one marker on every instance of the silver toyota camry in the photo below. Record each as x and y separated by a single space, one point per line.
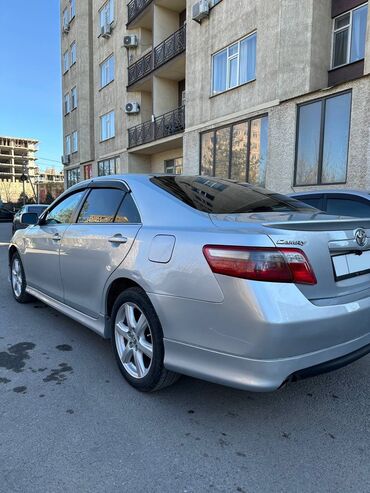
201 276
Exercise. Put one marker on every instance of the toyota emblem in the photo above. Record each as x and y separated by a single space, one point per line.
361 237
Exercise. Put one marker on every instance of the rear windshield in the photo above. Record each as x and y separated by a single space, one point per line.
217 196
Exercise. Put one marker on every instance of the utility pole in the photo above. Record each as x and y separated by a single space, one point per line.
25 177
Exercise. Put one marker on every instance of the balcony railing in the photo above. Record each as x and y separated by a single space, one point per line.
170 123
161 54
135 7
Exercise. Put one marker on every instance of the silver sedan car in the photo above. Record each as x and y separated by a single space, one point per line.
201 276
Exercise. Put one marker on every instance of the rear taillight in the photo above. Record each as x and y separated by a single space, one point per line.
260 264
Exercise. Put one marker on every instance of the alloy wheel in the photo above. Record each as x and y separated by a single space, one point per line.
134 340
17 277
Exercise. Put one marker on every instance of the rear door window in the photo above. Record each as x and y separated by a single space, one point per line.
348 207
101 206
127 213
217 196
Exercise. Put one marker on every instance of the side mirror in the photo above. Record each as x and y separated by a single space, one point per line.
29 218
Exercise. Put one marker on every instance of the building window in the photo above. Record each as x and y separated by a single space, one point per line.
72 8
68 144
238 151
73 53
107 13
73 176
74 98
107 71
174 166
322 140
74 141
65 62
349 36
87 171
235 65
108 167
107 130
66 18
67 104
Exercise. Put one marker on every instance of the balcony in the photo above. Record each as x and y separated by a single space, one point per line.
167 50
166 125
135 7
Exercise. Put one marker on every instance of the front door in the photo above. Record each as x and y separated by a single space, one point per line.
95 245
42 245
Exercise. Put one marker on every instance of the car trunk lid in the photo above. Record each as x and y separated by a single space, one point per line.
340 263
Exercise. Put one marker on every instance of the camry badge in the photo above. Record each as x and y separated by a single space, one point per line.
361 237
291 242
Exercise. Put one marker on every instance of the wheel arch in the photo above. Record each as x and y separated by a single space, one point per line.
117 287
12 250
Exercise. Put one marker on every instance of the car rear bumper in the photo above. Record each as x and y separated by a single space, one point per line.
259 375
261 335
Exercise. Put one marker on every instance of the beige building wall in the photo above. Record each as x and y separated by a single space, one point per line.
293 58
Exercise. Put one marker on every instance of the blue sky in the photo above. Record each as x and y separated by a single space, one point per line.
30 80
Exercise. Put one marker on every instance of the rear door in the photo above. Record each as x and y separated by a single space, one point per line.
96 244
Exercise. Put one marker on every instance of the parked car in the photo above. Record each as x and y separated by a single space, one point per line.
31 208
6 215
201 276
355 203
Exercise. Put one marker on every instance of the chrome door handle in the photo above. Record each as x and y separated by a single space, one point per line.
57 237
118 239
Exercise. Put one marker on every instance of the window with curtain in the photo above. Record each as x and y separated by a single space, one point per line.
238 151
107 69
68 144
349 36
73 53
323 140
74 97
74 141
106 13
107 126
234 65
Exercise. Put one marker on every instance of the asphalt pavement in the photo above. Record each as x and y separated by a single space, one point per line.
70 423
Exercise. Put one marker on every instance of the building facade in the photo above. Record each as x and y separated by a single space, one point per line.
275 92
17 157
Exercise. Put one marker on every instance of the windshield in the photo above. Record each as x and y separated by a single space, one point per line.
218 196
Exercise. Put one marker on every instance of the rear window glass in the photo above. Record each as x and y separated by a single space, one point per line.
217 196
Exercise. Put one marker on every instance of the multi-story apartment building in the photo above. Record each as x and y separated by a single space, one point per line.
17 158
275 92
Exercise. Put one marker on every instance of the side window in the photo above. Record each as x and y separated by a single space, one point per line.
63 212
128 212
100 206
312 201
348 207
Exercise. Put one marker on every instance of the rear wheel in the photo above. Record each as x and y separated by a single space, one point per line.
18 280
137 340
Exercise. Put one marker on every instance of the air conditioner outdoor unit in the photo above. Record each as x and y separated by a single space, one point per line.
66 159
200 10
106 30
132 108
130 41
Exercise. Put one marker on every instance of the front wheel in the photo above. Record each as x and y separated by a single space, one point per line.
137 340
18 280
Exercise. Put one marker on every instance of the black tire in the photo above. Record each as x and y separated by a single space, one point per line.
157 377
22 296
